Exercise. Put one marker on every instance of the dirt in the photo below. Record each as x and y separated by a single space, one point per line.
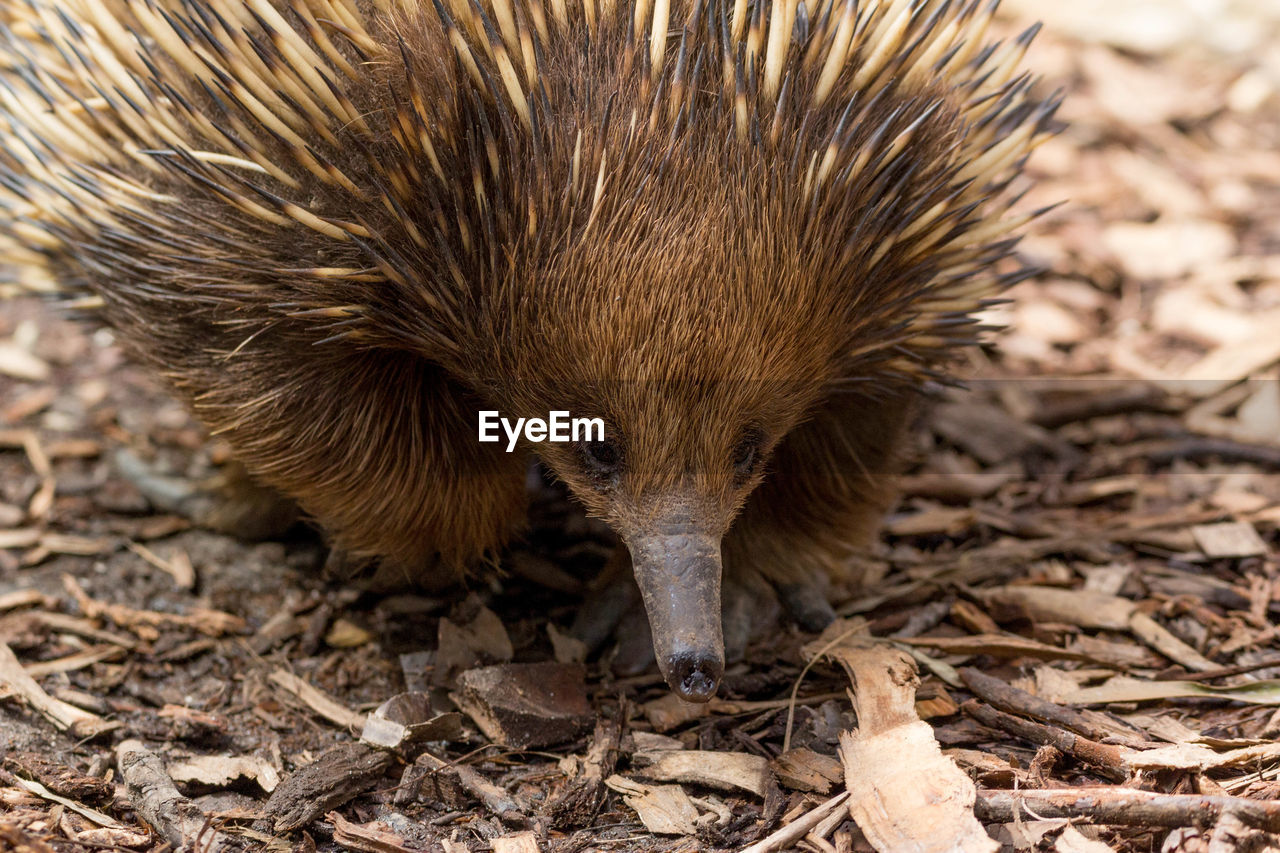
1081 460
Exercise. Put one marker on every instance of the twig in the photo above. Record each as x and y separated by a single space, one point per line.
495 798
1126 807
154 796
1006 697
319 702
1191 448
41 791
1127 399
788 835
18 682
1110 759
1224 671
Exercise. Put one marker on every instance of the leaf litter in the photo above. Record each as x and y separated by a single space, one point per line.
1067 639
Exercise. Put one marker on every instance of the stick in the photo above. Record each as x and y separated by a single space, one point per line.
1008 698
1104 756
798 828
1125 399
1125 807
154 796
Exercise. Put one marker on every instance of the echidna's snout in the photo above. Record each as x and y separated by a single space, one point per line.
695 675
677 567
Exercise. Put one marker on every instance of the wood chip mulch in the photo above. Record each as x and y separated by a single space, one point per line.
1068 639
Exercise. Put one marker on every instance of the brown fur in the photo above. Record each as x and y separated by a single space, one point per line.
527 207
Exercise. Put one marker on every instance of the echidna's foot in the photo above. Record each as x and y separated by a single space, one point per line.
613 611
613 600
614 619
342 566
384 576
228 503
633 650
750 611
807 605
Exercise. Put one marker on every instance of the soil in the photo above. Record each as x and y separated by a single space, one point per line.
1119 442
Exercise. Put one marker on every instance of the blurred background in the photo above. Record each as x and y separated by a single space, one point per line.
1164 258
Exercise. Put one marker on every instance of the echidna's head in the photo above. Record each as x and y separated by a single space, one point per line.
691 330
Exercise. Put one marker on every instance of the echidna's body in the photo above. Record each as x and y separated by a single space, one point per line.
738 232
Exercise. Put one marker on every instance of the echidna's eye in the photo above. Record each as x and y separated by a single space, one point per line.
747 452
602 457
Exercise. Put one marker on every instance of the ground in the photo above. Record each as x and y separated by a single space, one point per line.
1082 570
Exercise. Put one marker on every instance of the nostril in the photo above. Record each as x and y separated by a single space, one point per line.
697 685
695 677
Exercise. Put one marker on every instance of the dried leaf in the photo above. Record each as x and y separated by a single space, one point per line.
1229 539
725 770
663 809
1125 689
220 771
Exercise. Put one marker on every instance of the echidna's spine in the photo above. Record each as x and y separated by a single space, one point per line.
129 126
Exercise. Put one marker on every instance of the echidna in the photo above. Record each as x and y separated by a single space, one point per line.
740 232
